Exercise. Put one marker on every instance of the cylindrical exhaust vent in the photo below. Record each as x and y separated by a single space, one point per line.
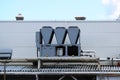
73 33
19 17
80 18
60 33
47 34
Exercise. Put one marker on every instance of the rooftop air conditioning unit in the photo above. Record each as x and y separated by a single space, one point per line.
5 53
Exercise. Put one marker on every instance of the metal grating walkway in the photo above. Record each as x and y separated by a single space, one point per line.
60 69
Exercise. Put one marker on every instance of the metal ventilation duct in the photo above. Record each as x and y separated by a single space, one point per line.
80 18
73 33
47 34
19 17
60 33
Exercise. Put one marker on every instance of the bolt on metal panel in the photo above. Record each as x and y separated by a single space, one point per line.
60 33
73 33
47 51
47 34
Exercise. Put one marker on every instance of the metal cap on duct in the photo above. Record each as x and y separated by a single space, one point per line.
19 17
60 33
47 34
80 18
73 33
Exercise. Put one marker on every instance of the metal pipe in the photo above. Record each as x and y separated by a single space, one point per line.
74 78
39 64
37 78
62 73
4 71
37 52
61 77
19 60
112 61
69 59
52 59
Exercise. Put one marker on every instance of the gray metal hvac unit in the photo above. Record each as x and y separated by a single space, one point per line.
73 33
5 53
38 39
60 33
74 49
46 49
47 34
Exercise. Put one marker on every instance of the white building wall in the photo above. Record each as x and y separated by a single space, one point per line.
101 36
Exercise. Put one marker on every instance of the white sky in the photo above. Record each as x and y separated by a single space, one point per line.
114 6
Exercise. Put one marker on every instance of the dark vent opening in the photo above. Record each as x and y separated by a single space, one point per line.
72 50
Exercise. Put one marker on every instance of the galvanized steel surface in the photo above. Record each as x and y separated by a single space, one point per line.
61 69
